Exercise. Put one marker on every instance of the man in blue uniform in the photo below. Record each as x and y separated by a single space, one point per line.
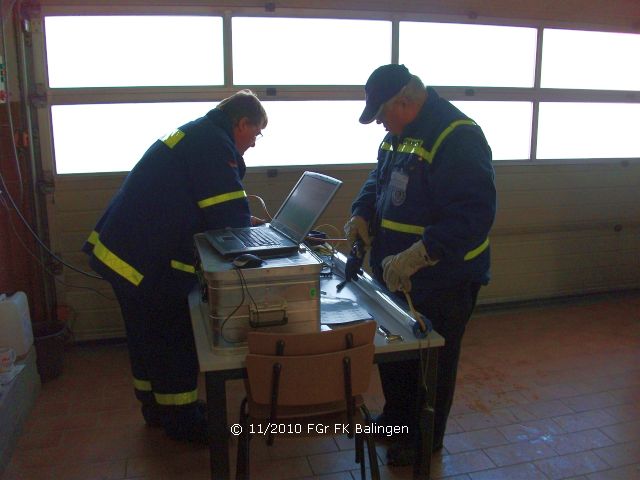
187 182
425 212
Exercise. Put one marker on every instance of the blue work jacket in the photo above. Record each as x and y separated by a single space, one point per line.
187 182
434 182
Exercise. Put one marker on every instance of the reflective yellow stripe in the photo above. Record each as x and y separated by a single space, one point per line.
183 266
409 144
225 197
116 264
418 230
176 398
402 227
419 151
444 134
142 385
172 139
93 238
477 251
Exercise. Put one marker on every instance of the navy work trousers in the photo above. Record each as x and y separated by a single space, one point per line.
449 310
161 344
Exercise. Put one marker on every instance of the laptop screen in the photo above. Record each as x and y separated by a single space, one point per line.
305 204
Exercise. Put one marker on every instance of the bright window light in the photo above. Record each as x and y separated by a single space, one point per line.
120 51
588 130
590 60
113 137
315 132
308 51
506 126
469 55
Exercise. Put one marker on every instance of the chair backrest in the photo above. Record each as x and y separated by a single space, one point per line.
311 343
310 369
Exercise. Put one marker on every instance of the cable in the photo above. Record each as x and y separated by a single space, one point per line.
8 102
263 206
5 189
243 284
35 235
414 314
224 322
44 268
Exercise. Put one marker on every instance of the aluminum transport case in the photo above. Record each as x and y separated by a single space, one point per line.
282 295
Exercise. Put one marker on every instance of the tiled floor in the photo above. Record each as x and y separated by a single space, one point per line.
544 392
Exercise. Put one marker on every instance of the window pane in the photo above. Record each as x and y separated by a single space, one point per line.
588 130
590 60
113 137
469 55
125 131
315 132
506 125
119 51
306 51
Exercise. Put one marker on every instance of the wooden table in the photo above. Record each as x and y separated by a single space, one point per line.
219 367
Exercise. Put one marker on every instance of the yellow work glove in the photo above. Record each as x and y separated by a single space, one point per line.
398 269
357 227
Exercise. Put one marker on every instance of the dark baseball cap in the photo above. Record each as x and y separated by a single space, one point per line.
383 84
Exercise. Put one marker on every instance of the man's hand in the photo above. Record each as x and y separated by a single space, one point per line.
357 227
353 266
398 269
255 221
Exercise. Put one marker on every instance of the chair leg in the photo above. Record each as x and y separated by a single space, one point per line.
373 457
371 445
243 456
363 464
359 441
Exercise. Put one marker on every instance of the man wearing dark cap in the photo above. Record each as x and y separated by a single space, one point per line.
425 213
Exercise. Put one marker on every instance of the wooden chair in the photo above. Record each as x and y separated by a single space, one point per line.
296 380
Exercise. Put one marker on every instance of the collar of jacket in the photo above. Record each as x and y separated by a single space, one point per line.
222 121
426 113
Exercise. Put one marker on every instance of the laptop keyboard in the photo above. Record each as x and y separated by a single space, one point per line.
258 237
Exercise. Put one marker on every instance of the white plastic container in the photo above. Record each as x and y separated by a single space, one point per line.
15 323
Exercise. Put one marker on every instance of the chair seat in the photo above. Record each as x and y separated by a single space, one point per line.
261 412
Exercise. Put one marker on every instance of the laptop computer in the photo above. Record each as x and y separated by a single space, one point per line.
290 225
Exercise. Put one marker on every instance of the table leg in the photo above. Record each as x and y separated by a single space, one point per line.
424 444
218 430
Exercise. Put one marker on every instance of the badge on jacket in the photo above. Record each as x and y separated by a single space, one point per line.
398 184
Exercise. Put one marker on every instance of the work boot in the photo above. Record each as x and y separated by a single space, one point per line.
155 415
152 414
380 422
187 423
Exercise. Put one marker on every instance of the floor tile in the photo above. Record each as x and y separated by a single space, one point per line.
579 441
551 392
523 471
519 452
623 432
478 421
584 420
591 402
620 454
333 462
459 463
567 466
623 473
536 429
474 440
